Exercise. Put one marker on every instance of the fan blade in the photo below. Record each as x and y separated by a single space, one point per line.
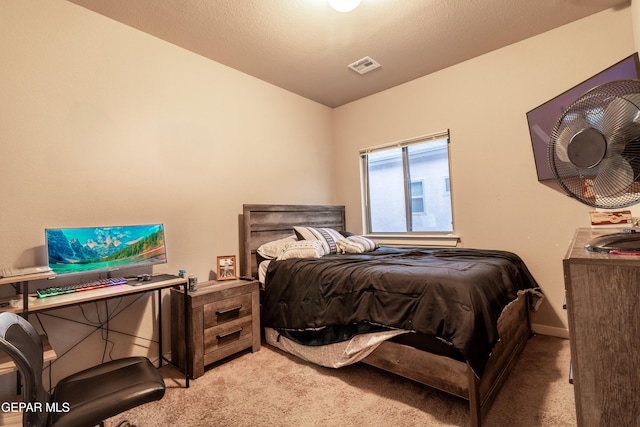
615 176
621 121
566 135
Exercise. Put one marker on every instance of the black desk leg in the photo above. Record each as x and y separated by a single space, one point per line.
22 287
160 355
187 333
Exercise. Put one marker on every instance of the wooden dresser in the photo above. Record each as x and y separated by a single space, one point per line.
225 319
603 303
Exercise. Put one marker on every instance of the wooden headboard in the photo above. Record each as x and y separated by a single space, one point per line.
265 223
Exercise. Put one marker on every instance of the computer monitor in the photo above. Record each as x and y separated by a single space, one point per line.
104 249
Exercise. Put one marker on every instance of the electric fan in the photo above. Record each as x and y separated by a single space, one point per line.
594 149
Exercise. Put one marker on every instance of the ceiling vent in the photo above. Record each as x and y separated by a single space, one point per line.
364 65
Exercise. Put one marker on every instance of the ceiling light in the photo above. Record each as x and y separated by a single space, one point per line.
344 5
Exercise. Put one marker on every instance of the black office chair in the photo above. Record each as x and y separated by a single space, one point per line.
86 398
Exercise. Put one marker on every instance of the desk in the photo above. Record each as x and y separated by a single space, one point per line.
21 285
7 365
157 283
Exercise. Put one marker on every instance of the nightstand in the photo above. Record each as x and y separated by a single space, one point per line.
225 319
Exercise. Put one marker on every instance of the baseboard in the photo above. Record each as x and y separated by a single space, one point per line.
550 330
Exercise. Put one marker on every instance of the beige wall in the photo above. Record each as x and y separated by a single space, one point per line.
497 200
101 124
635 19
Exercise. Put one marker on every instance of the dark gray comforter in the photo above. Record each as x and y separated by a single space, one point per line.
454 294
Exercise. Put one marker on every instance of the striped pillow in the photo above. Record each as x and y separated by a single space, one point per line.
327 236
356 245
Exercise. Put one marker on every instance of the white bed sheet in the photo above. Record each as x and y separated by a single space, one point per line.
262 272
333 355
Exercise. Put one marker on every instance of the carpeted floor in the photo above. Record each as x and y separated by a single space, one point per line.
271 388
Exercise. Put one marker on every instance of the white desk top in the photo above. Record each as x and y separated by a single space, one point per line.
26 278
95 294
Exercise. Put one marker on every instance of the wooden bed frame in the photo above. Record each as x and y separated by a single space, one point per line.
265 223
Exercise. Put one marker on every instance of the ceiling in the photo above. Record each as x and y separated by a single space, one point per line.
304 46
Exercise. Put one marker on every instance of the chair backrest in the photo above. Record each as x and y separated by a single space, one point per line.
20 340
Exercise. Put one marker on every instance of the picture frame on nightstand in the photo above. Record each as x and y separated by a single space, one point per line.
226 267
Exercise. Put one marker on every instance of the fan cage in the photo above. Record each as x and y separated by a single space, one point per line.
613 110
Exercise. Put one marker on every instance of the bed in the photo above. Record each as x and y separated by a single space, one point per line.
473 368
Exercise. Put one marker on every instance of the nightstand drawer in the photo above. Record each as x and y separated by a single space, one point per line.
226 310
227 339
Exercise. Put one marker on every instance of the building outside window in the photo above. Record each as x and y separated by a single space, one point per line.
417 197
406 186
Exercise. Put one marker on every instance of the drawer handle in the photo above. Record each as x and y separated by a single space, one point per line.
237 331
229 310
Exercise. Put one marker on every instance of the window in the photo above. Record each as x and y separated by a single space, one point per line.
406 186
417 197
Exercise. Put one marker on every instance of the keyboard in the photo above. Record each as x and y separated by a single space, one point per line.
14 272
78 287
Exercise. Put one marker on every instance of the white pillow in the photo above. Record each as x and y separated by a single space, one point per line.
356 245
271 250
302 249
327 236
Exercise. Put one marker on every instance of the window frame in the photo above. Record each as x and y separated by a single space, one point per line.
365 187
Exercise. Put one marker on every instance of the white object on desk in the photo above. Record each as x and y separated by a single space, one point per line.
14 272
19 302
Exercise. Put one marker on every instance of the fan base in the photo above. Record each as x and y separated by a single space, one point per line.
626 241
